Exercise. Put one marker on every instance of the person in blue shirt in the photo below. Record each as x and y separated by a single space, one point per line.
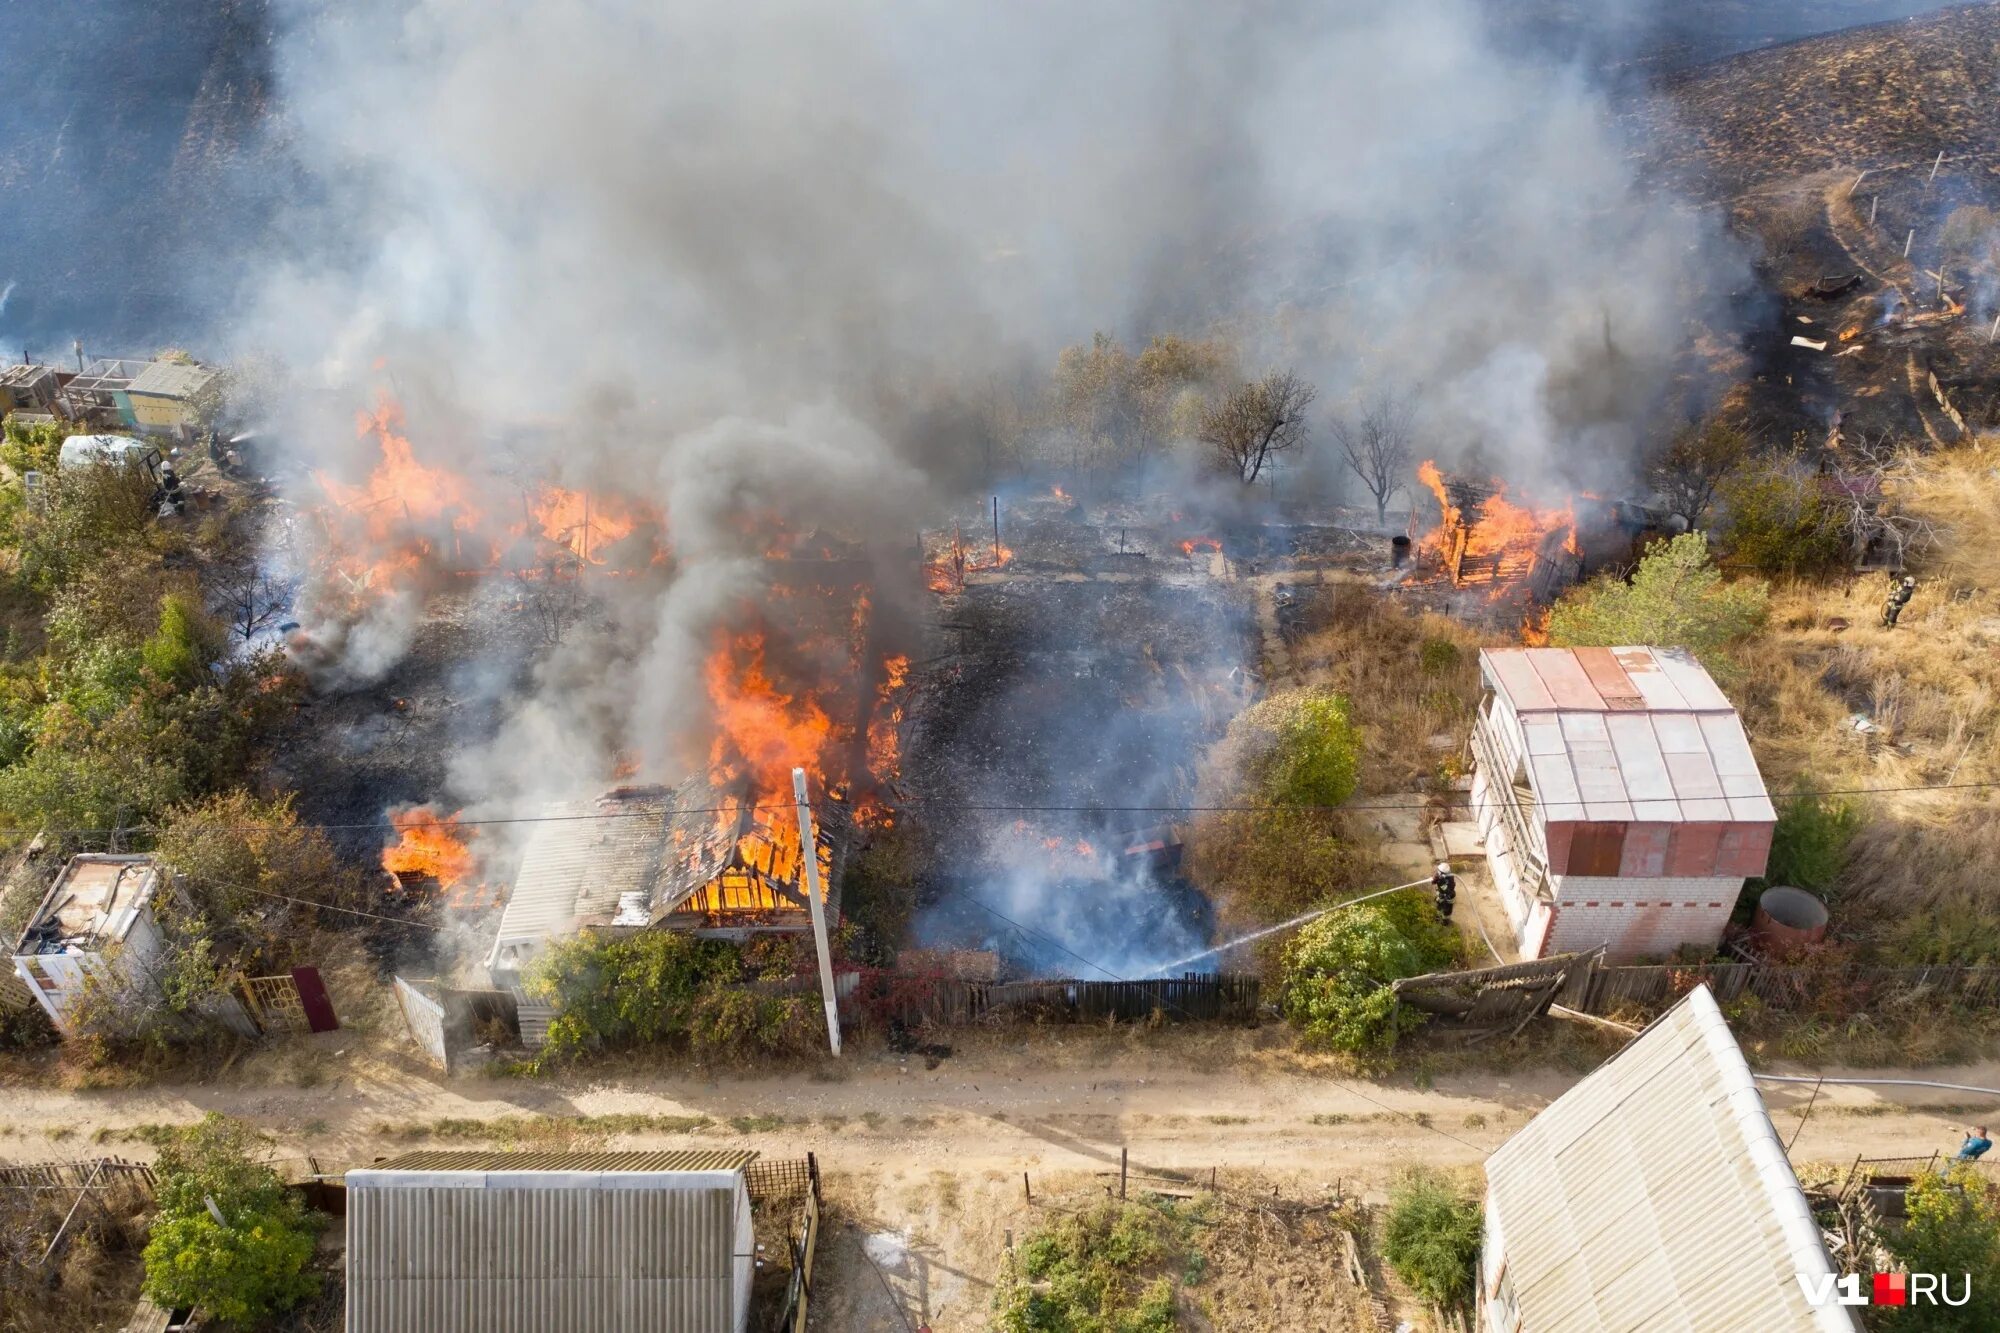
1976 1144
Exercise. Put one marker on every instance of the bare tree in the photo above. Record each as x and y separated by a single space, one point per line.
1262 418
1689 472
254 600
1377 447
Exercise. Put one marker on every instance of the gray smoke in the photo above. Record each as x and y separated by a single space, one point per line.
764 263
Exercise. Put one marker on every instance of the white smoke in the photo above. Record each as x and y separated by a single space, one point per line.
747 263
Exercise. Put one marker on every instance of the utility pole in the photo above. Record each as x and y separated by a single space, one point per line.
809 853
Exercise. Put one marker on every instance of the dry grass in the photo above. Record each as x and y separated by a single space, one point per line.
99 1270
1920 878
1409 676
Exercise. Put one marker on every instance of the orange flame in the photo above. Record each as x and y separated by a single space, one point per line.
429 843
1506 531
583 522
1192 545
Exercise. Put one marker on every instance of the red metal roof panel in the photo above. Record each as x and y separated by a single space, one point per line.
1608 678
1568 684
1514 678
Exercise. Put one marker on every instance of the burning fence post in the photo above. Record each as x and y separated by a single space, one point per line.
809 854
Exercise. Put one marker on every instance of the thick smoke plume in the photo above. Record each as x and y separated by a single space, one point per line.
763 266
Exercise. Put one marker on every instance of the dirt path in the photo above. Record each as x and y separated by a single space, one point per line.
925 1165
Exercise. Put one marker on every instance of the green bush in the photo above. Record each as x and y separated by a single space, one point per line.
1809 846
1298 748
1337 970
1781 521
1107 1269
1676 599
1951 1226
35 448
179 649
1432 1238
251 1264
664 987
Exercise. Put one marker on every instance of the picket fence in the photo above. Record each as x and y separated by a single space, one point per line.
944 1002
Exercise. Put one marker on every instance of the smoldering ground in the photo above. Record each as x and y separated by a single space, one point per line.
758 266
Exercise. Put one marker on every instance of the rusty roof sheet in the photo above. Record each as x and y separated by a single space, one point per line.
1628 734
686 1159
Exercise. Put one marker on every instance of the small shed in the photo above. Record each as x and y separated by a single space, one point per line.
1655 1194
166 396
29 387
95 926
474 1242
1619 801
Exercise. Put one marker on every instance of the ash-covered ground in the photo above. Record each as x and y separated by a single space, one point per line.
1059 717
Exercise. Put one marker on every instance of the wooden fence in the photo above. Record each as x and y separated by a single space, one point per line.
1602 989
99 1171
947 1003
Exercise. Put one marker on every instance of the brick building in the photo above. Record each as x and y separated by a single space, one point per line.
1618 799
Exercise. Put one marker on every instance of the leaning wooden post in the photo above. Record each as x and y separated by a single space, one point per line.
809 853
1027 1193
1123 1162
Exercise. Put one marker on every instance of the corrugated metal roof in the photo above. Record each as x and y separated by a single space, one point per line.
171 379
687 1159
1619 735
1654 1195
582 1252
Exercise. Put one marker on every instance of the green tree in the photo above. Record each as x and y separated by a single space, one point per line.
250 1265
1432 1238
1337 971
1951 1227
1676 598
1780 520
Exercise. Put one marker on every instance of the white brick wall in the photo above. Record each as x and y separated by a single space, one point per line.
1639 916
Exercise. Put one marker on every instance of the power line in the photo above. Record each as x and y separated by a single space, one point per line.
949 807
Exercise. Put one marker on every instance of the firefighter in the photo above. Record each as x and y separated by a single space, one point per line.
1899 597
170 497
1444 885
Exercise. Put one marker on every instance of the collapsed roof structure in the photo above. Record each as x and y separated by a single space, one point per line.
690 858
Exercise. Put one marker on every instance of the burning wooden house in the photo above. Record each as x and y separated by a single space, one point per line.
1619 801
693 858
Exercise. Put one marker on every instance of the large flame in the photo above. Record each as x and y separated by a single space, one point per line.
582 522
431 843
1503 539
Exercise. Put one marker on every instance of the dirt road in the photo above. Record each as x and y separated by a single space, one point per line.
926 1163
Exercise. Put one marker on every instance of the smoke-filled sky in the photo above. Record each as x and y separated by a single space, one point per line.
741 261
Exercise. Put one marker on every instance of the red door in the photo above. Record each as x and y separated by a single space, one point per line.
314 999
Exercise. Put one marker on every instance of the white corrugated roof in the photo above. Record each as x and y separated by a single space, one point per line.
1655 1195
1629 734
